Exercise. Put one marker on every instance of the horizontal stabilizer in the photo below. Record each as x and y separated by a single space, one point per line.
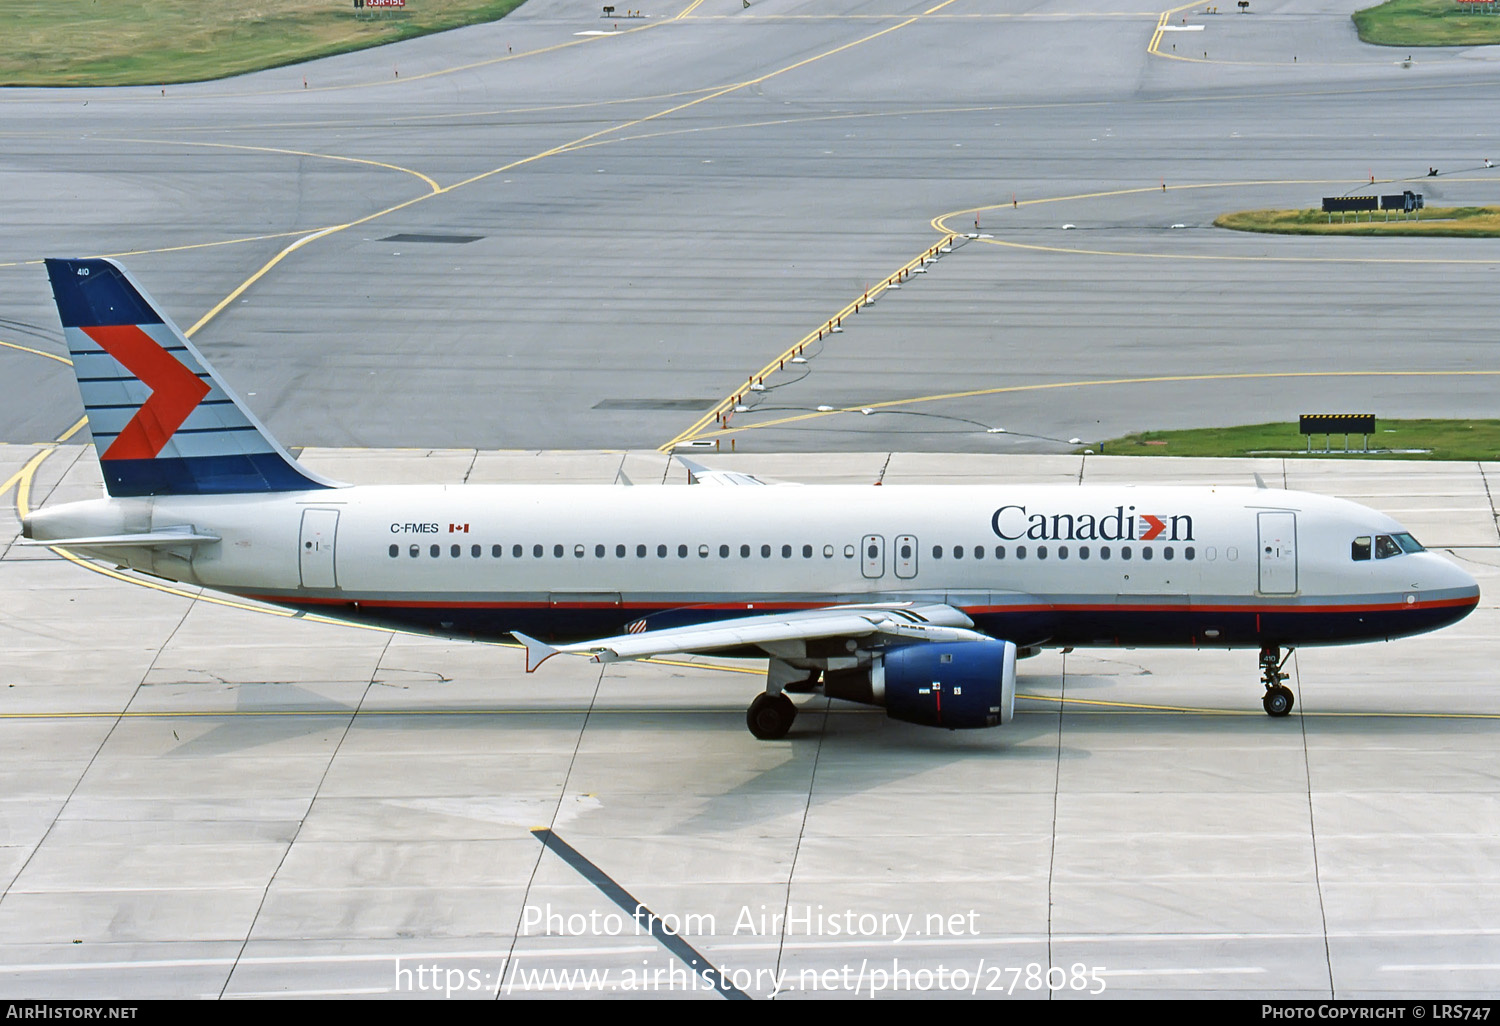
155 539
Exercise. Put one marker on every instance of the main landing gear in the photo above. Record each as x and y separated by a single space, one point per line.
1278 701
804 687
770 716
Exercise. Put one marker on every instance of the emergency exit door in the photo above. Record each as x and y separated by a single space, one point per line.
1278 553
318 529
904 559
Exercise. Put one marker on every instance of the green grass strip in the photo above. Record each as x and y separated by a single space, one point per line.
1453 222
157 42
1429 23
1392 440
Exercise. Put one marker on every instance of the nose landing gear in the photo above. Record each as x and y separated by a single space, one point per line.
1279 699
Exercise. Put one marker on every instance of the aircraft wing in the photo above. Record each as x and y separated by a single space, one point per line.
918 622
699 474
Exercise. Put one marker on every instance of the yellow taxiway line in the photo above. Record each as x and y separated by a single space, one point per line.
887 404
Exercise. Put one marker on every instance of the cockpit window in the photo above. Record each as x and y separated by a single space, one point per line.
1408 543
1360 548
1386 547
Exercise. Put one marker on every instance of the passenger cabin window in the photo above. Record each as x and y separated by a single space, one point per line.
1360 548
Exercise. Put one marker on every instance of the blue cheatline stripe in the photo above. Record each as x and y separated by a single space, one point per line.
614 892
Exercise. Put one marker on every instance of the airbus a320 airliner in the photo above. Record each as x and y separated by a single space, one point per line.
918 599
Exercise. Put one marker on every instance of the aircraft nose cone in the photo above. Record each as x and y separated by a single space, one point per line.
1455 589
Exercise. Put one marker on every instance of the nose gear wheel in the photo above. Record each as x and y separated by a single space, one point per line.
1279 699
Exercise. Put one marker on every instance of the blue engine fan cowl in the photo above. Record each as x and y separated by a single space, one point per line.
960 685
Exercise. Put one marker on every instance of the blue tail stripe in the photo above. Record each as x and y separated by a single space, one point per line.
204 475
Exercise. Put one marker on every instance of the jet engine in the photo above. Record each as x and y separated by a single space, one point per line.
956 685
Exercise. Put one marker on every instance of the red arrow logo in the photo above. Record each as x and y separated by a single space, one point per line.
1157 527
175 391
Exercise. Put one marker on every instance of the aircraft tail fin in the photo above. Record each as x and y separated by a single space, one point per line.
163 421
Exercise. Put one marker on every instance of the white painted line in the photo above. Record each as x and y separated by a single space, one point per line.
1186 971
307 993
1182 28
211 961
1442 968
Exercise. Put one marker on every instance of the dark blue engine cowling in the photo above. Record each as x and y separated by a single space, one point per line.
963 684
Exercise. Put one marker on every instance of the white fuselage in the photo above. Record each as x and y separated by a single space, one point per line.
1038 564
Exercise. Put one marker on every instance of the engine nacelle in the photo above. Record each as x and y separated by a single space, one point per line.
957 685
